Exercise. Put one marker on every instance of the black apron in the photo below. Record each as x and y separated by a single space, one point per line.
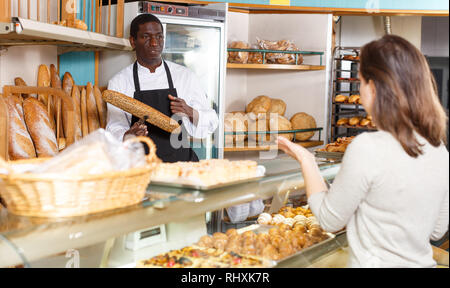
159 100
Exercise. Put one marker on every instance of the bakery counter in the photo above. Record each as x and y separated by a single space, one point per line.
29 238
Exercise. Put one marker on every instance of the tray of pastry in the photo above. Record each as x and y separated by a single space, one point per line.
206 174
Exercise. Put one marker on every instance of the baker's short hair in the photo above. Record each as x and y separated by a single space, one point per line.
142 19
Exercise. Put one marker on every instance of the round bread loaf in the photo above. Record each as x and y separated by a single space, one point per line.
277 106
281 123
260 104
257 123
303 121
235 122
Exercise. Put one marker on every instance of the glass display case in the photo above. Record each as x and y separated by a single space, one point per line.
168 218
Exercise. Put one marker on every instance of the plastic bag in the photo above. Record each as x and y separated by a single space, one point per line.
99 152
280 58
256 207
238 213
255 57
238 57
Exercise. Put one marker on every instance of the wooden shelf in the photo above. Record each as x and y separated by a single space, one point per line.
21 32
306 144
276 67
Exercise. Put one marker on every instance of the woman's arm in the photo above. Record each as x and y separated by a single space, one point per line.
314 181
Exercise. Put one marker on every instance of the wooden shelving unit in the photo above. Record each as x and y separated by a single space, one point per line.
275 66
306 144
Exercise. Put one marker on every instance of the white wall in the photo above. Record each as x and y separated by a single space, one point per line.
24 62
435 36
359 30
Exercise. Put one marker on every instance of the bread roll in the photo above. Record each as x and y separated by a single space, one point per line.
364 122
277 106
19 82
77 108
84 115
91 108
43 81
280 123
258 105
353 99
20 145
38 123
101 107
369 117
303 121
354 121
341 98
258 123
342 121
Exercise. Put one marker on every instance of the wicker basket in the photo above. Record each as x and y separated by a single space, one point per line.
56 195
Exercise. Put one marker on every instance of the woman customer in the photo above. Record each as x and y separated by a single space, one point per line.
392 191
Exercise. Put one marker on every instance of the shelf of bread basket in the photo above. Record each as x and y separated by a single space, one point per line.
58 195
295 64
254 145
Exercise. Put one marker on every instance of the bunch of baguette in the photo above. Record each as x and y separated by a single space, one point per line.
39 126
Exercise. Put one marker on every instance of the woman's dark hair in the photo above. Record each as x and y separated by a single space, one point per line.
142 19
406 97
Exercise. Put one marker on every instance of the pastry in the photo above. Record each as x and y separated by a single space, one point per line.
300 219
354 121
279 123
342 121
255 58
274 231
258 105
264 218
353 99
38 124
303 121
206 241
238 57
341 98
278 219
277 106
20 144
289 221
231 232
299 227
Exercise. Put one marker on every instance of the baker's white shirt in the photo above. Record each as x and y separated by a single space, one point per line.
188 88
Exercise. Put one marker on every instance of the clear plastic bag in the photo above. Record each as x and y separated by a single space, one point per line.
282 45
256 207
99 152
238 213
238 57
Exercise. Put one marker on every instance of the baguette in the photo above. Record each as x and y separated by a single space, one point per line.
101 107
43 81
3 128
84 119
140 110
55 82
20 144
38 123
67 83
77 109
20 82
71 131
91 108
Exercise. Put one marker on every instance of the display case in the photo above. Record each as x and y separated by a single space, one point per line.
168 218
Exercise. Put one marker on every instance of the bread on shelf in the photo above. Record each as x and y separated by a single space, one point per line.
277 106
354 99
341 98
303 120
354 121
342 121
258 105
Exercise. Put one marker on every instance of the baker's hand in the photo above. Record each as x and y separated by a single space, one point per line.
178 105
138 129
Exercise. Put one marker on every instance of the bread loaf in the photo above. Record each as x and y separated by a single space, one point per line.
77 108
38 123
101 107
303 121
56 106
139 109
280 123
354 121
67 83
4 137
68 127
84 115
341 98
238 57
20 145
258 123
353 99
235 122
43 81
277 106
364 122
258 105
342 121
91 107
20 82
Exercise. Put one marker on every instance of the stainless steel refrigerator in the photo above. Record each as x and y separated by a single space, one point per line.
194 37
